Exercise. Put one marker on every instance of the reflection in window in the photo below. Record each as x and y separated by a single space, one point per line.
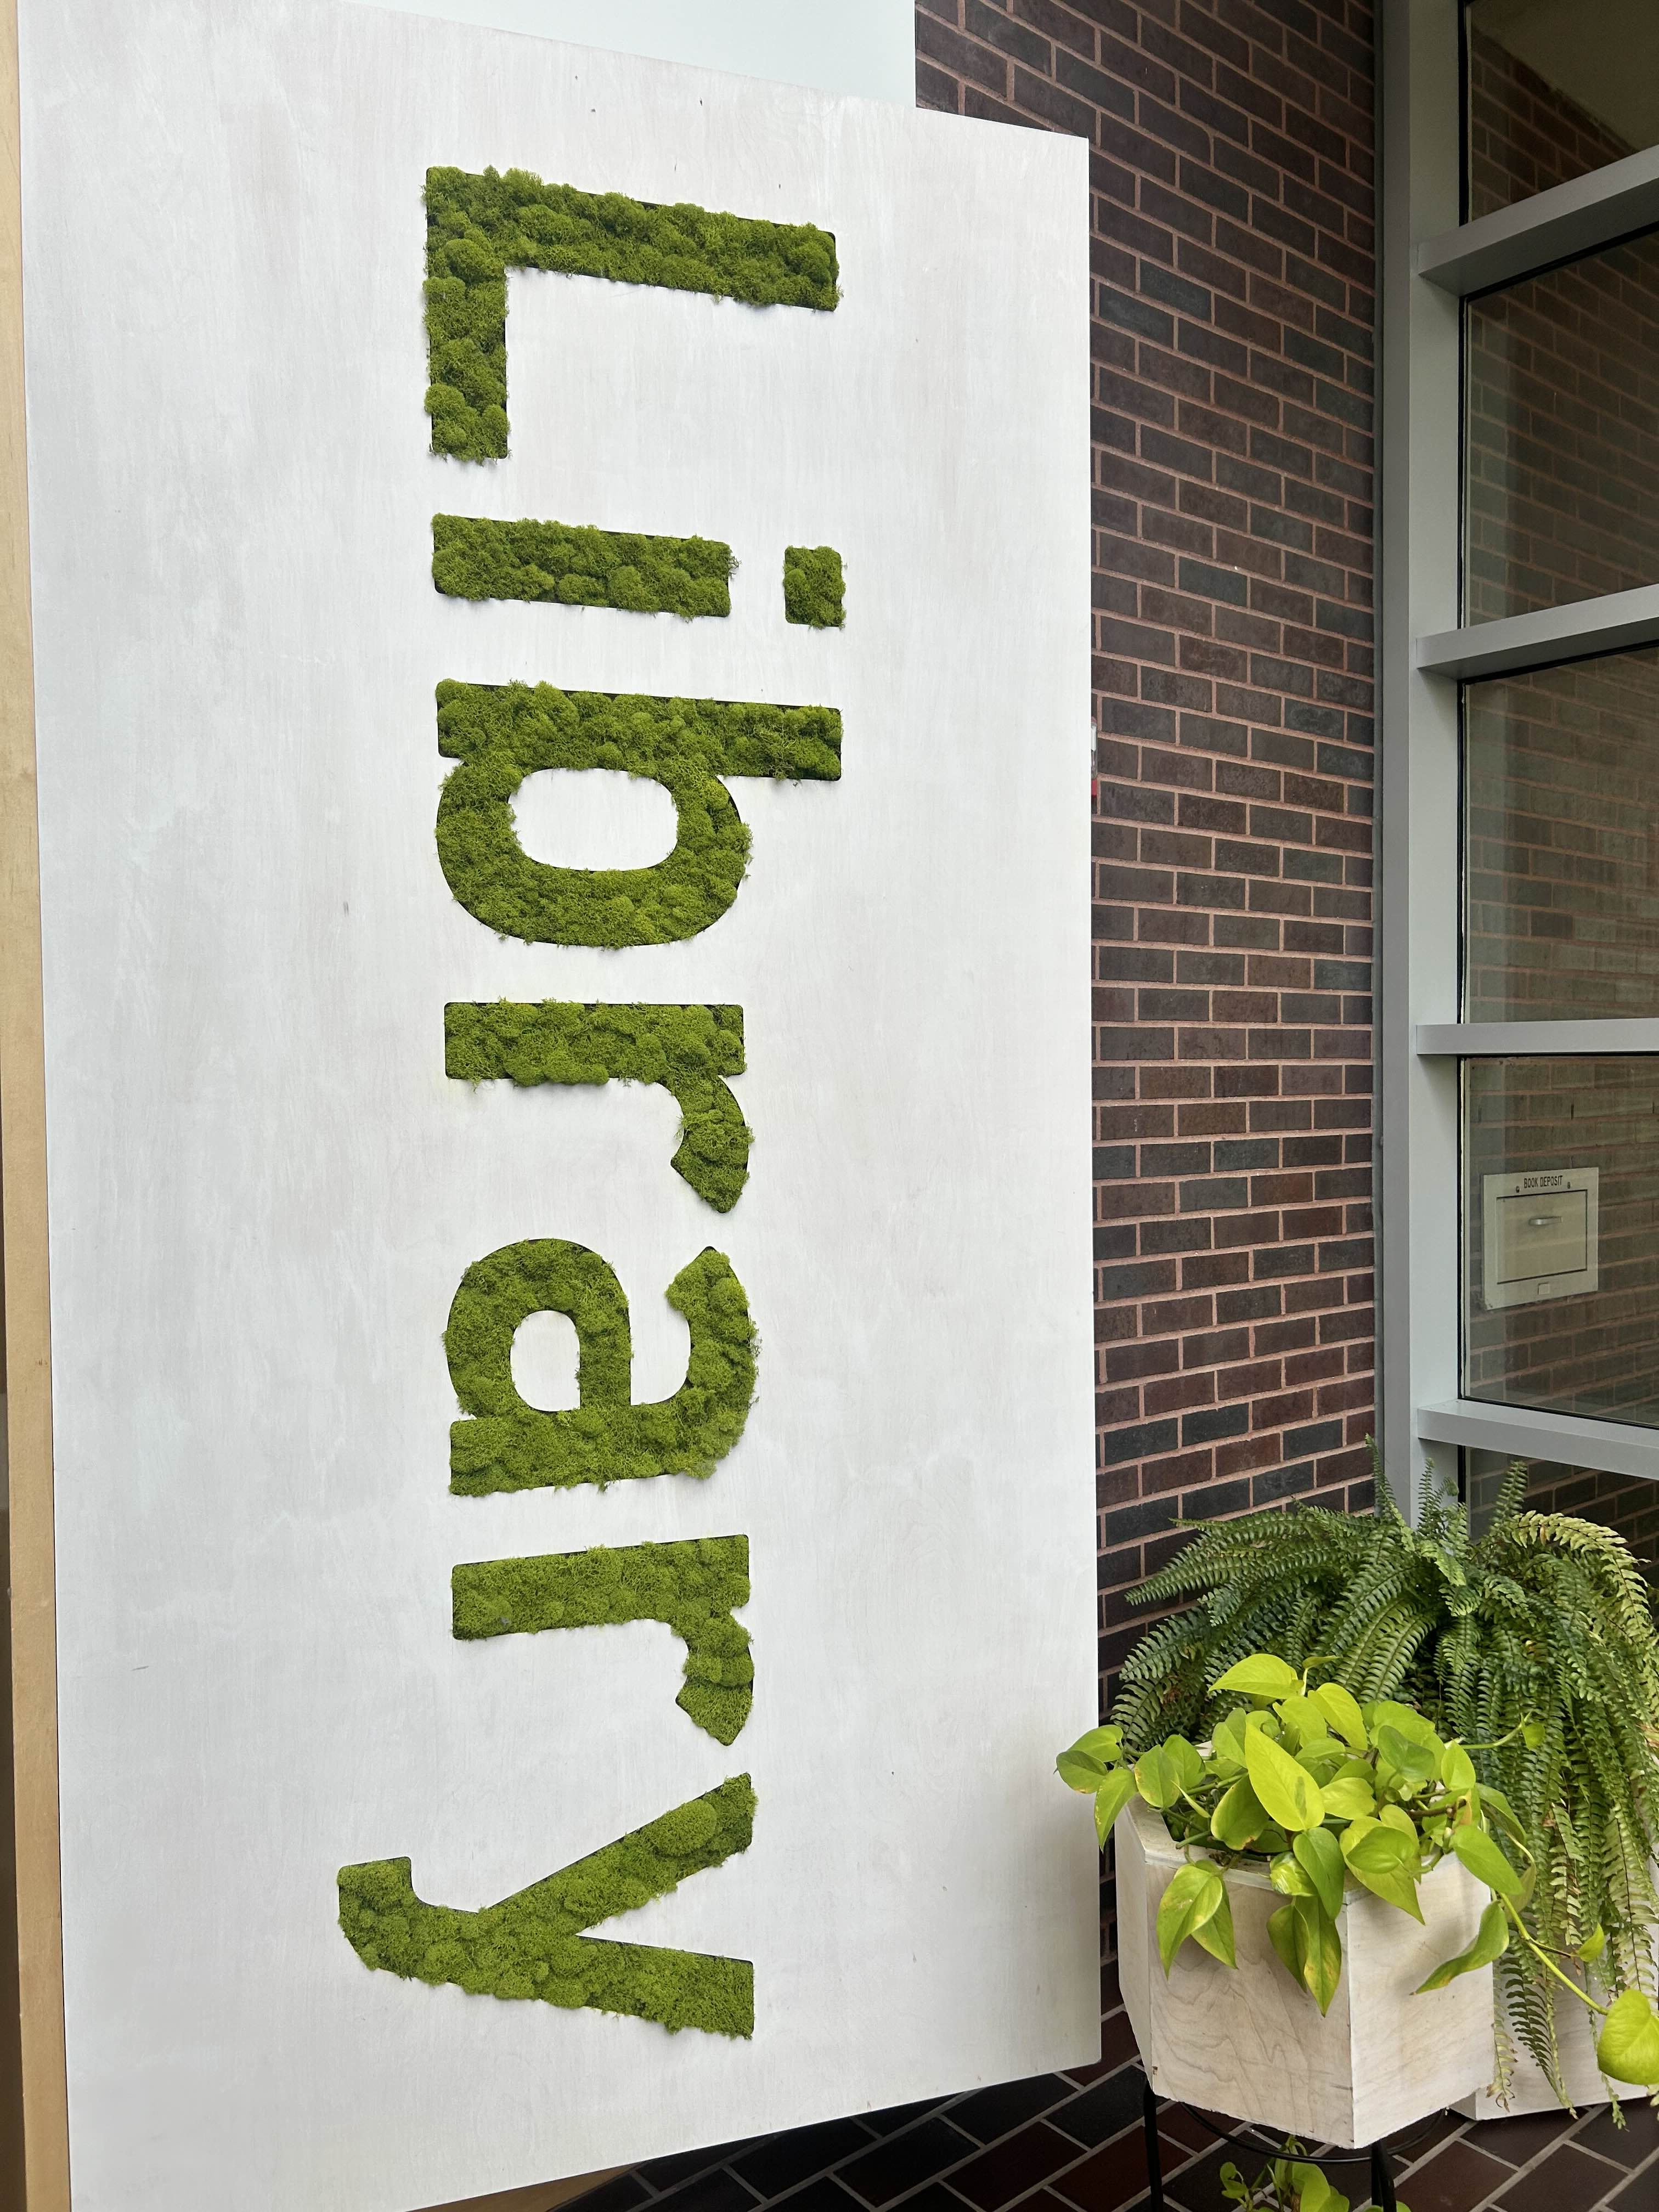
1626 1503
1556 88
1561 842
1550 1129
1561 434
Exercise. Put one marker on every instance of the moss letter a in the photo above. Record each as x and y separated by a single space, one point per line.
532 1945
500 735
690 1050
691 1587
509 1445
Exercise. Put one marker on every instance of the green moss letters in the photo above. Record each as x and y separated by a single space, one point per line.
691 1587
814 589
688 1049
508 1445
474 558
532 1945
478 228
501 734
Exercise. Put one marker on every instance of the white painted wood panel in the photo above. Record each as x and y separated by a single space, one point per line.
262 1191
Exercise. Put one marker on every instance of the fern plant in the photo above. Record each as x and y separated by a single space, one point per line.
1545 1618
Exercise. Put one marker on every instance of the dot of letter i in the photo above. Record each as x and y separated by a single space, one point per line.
535 1944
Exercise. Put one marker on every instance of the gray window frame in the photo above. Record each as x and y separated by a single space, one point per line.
1430 262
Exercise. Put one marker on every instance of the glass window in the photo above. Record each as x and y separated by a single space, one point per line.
1561 434
1556 88
1561 842
1561 1235
1626 1503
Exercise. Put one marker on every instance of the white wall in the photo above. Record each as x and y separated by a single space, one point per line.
264 1191
867 47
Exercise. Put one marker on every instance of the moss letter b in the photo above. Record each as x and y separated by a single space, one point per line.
500 735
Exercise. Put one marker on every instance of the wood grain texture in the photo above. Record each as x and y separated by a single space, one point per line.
11 2061
27 1310
1250 2043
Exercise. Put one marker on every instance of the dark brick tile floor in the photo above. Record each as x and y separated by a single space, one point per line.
1071 2143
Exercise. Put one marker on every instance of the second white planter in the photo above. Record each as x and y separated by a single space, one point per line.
1246 2041
1530 2090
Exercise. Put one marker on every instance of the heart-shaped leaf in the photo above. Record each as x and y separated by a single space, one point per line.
1456 1769
1489 1800
1228 1742
1484 1860
1112 1794
1239 1819
1318 1950
1262 1675
1281 1934
1304 1719
1319 1856
1188 1766
1593 1946
1385 1862
1387 1712
1628 2045
1287 1877
1215 1933
1158 1777
1348 1798
1082 1764
1371 1847
1194 1895
1322 1759
1312 2191
1077 1771
1289 1792
1492 1940
1342 1711
1105 1744
1414 1760
1307 1943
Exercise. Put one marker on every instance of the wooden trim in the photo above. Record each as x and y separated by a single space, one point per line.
11 2056
540 2196
23 1208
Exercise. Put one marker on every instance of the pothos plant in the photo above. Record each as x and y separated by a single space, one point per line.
1322 1791
1286 2184
1544 1618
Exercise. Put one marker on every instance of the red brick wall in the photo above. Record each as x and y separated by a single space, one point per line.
1233 260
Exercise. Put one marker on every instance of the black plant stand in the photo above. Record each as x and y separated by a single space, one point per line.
1380 2156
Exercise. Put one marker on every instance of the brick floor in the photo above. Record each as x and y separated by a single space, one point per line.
1071 2143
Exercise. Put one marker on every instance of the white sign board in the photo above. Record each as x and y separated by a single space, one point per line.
291 1234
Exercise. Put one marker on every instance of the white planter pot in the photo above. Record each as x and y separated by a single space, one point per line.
1582 2077
1246 2041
